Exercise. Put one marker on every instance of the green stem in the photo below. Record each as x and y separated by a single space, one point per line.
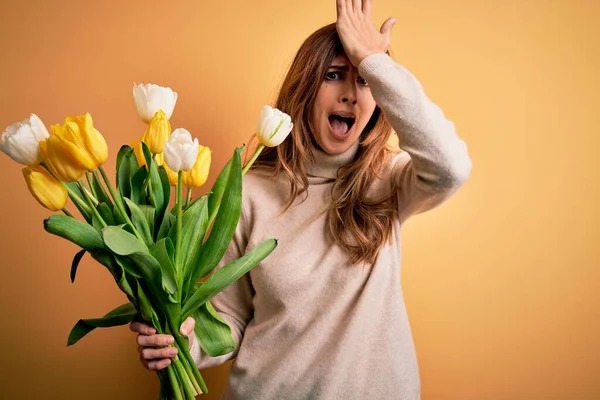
174 382
95 172
186 382
190 373
87 193
183 350
67 212
94 210
119 203
178 267
76 199
254 157
87 178
188 199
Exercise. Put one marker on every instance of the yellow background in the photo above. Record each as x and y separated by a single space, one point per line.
502 283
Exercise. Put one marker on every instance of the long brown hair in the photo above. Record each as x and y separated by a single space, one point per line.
360 225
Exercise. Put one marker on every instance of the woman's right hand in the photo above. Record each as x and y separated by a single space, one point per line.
155 349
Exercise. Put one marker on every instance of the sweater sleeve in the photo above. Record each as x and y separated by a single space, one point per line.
234 303
435 162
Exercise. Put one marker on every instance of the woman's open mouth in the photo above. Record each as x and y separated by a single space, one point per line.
341 125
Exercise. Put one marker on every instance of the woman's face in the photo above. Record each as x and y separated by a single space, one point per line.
342 108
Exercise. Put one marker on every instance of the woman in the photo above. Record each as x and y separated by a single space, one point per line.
323 317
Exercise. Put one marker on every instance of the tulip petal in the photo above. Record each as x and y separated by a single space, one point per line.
172 159
190 155
20 142
44 188
139 96
38 127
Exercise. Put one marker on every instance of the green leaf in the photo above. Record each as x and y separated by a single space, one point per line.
139 220
75 264
126 282
117 217
106 213
212 332
166 188
155 185
152 272
125 150
121 315
163 251
166 225
226 275
130 267
124 177
194 226
145 306
78 232
228 215
219 186
149 213
122 242
137 186
98 190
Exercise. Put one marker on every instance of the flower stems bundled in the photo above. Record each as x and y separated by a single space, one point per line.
161 253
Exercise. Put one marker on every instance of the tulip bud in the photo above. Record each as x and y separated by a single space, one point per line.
47 191
181 151
158 133
73 148
273 126
150 98
20 141
197 176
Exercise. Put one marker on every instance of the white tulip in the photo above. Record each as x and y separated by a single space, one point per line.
180 151
273 126
149 98
20 141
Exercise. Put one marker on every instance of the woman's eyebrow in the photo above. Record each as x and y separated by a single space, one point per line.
339 67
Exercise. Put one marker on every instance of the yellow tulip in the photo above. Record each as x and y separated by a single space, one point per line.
158 132
170 173
82 127
62 157
73 148
198 175
139 153
47 191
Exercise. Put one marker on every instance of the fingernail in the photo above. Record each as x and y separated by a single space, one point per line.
171 339
173 352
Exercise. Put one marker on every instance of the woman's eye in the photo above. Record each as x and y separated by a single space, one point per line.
332 76
361 81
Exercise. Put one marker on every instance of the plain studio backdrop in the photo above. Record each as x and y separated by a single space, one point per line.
501 283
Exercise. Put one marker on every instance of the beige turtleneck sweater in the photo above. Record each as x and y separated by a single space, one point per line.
309 324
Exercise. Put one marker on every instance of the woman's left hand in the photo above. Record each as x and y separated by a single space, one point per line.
359 36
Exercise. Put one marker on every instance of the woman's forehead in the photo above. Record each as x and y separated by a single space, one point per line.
341 60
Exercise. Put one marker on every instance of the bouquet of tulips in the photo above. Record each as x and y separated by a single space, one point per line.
162 256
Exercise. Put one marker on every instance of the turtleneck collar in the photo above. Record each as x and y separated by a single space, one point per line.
327 165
